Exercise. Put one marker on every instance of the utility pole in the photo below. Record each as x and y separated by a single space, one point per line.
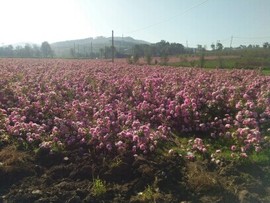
187 44
231 41
112 48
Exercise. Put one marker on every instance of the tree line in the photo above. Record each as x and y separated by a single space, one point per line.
161 49
27 51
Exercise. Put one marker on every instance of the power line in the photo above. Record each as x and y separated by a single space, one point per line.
224 40
168 19
262 37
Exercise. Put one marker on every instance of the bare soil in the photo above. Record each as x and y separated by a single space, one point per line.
68 177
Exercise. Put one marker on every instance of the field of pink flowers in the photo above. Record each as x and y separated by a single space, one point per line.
118 108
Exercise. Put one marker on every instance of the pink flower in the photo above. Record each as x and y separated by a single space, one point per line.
190 156
151 148
109 147
257 149
233 147
244 155
198 141
245 96
135 138
239 117
30 139
134 149
142 147
119 143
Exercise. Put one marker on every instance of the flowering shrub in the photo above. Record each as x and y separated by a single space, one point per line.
119 108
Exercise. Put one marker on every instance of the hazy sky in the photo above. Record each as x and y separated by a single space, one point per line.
193 21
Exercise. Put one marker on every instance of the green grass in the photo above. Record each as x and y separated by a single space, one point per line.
226 63
99 187
266 71
262 157
148 195
180 145
211 64
229 63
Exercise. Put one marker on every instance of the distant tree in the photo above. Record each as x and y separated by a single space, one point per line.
138 50
72 52
202 59
219 46
18 51
164 59
135 58
102 52
107 52
199 47
176 48
158 49
243 46
46 50
9 51
148 58
266 45
148 54
213 46
28 51
36 51
162 48
154 50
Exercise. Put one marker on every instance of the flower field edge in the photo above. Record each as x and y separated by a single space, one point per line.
120 108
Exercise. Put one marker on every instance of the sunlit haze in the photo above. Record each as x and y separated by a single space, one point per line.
189 22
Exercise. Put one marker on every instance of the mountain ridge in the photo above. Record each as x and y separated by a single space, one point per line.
99 40
94 45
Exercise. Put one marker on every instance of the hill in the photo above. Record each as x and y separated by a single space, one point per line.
84 47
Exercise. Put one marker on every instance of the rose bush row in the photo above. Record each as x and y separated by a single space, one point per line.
119 107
